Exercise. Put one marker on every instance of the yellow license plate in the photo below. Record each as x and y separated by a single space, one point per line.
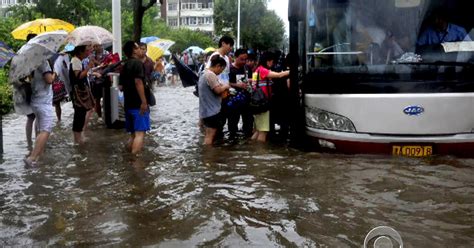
412 151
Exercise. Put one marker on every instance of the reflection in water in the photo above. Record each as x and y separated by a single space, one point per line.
179 194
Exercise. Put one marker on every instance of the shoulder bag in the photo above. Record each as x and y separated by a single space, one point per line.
259 102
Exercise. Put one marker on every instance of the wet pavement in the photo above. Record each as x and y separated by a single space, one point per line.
178 194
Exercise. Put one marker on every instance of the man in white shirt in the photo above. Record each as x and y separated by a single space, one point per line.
225 46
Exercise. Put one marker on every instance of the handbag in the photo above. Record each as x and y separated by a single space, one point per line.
59 90
259 102
83 97
237 100
150 97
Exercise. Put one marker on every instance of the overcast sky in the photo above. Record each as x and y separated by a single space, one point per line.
281 8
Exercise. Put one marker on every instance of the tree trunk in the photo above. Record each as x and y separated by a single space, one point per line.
163 10
138 12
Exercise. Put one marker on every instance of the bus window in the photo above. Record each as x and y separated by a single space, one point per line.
362 41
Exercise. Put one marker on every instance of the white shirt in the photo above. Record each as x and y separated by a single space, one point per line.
224 76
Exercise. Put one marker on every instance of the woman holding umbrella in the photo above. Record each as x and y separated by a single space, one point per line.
41 104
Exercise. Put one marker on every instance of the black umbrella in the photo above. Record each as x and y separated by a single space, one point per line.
188 77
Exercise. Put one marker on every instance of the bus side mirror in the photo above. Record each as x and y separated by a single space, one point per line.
296 10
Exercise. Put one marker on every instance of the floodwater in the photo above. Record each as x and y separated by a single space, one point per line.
178 194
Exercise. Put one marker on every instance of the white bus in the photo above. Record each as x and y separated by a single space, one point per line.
386 76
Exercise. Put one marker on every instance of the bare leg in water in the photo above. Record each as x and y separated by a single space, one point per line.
57 107
29 130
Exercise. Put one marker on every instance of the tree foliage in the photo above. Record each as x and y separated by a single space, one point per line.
260 28
90 12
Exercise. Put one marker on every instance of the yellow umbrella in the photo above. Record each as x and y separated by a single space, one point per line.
209 49
39 26
157 48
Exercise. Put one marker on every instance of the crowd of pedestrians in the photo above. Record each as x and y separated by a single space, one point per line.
226 82
225 92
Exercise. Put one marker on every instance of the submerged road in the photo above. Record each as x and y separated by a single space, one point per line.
242 194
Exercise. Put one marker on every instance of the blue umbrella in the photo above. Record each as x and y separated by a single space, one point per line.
148 39
68 48
195 49
6 53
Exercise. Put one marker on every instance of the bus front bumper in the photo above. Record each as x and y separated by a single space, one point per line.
361 143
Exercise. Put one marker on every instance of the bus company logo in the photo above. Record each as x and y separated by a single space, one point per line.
413 110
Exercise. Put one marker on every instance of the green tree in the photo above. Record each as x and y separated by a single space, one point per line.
260 28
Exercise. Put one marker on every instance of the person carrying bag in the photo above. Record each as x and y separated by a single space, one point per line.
82 98
260 98
259 102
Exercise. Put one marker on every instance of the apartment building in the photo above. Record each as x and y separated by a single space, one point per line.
5 4
192 14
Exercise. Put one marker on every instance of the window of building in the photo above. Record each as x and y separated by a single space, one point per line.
208 20
172 6
173 22
192 21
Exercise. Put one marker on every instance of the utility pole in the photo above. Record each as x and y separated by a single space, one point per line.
117 27
179 14
238 25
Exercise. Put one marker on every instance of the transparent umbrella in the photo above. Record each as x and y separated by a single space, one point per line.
194 49
90 35
33 53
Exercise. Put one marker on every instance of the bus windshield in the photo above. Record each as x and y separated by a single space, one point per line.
391 41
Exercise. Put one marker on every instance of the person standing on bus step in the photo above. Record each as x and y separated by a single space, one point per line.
210 98
42 105
263 75
137 111
238 78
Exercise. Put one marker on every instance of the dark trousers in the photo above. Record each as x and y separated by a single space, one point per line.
79 119
233 118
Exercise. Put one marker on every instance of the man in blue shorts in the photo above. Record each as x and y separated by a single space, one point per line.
137 111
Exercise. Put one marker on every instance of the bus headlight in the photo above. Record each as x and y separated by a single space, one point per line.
321 119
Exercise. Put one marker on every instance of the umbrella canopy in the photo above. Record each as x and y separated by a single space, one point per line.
6 53
39 26
209 49
148 39
195 49
157 48
34 53
90 35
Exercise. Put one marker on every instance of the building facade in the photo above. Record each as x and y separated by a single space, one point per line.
192 14
5 4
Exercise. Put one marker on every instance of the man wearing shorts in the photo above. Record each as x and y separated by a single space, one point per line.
137 111
42 106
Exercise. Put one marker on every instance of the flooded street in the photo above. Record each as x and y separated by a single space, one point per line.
178 194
